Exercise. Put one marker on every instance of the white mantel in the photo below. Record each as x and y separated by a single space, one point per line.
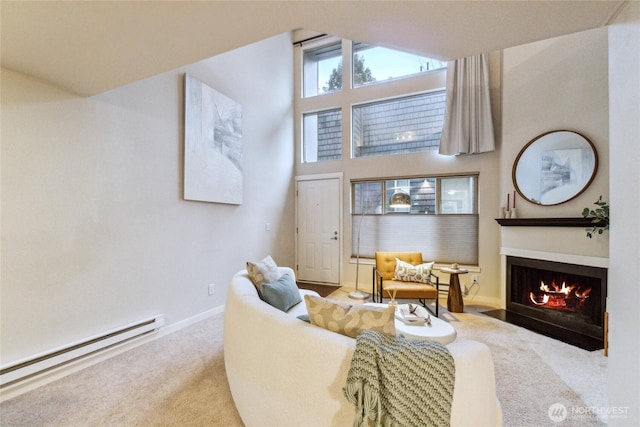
558 257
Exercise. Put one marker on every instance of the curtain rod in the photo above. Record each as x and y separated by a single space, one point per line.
308 39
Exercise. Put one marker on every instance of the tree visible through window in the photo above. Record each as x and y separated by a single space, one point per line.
406 121
389 64
318 64
361 74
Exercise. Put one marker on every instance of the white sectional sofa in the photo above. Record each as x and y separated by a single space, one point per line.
286 372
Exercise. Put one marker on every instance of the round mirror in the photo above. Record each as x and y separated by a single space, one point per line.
555 167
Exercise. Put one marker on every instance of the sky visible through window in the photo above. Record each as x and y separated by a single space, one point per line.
385 64
388 63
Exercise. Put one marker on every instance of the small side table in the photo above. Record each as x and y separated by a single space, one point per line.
455 304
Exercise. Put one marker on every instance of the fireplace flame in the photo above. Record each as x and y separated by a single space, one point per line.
544 287
558 297
584 294
539 299
554 288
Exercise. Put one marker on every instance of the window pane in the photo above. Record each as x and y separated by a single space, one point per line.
367 197
373 64
322 136
421 190
322 70
457 195
403 125
392 187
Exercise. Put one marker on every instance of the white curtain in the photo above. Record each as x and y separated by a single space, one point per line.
468 126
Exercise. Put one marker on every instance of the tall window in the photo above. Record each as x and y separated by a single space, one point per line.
342 84
441 220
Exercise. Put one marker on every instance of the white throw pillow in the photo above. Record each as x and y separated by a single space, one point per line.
265 271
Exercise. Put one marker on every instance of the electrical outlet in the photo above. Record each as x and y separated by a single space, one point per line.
212 288
474 279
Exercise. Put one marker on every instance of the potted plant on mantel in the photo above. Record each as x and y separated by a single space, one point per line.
600 217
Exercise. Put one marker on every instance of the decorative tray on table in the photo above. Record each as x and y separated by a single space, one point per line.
412 314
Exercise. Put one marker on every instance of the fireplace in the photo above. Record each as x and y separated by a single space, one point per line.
560 300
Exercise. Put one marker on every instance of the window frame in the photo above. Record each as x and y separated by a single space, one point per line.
325 43
411 85
456 233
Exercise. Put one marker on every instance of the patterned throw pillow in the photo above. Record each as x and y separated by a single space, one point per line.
406 272
349 319
265 271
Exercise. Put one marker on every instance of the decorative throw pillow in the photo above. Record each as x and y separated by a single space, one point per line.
349 319
282 294
406 272
265 271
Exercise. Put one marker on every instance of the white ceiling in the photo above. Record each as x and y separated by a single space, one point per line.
91 47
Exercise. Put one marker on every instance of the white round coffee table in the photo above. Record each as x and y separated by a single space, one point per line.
438 330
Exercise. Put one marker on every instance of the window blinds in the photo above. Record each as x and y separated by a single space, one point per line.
440 238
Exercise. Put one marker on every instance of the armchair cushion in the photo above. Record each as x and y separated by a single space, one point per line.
409 290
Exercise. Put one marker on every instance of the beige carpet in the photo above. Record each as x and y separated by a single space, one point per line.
179 380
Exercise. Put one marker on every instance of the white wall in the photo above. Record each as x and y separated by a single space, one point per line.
588 82
624 292
95 233
560 83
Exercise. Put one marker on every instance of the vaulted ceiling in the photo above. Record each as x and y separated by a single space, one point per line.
90 47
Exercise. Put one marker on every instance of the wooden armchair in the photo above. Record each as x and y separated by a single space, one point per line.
384 284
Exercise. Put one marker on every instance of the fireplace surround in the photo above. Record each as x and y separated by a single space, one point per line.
560 300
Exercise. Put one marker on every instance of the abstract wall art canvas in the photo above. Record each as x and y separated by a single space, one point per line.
212 145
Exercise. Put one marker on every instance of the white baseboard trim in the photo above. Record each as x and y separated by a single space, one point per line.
46 377
189 321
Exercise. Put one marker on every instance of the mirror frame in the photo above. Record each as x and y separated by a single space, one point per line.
533 141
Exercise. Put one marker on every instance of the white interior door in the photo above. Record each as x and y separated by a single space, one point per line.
318 231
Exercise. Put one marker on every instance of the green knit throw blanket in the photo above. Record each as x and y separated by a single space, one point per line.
394 381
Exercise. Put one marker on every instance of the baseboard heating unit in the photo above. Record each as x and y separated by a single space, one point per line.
37 364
